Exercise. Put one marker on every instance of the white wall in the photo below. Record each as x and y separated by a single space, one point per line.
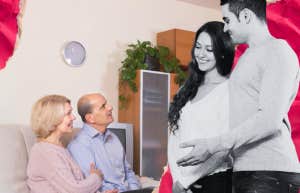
104 27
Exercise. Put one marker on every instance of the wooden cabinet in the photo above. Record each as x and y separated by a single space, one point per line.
180 43
147 110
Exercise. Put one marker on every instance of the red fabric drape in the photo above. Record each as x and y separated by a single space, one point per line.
9 10
284 22
166 182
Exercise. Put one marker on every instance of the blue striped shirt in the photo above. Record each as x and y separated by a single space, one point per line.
106 151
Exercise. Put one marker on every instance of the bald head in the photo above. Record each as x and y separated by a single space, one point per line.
85 104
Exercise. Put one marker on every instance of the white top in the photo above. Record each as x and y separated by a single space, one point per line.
203 118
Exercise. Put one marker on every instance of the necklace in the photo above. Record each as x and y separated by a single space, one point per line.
51 142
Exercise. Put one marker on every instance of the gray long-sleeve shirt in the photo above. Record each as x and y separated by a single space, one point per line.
262 89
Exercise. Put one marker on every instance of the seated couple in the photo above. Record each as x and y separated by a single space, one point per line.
94 161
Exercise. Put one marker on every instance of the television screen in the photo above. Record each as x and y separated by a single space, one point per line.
121 134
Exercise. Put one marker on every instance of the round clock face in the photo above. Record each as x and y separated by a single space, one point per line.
74 53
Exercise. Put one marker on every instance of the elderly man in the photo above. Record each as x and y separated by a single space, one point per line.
94 143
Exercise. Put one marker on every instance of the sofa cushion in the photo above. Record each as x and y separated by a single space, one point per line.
14 157
29 137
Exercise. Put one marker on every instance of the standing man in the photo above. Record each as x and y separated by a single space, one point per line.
263 86
96 144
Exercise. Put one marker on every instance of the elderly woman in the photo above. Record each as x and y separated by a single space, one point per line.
51 169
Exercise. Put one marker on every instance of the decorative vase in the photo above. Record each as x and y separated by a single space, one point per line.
152 62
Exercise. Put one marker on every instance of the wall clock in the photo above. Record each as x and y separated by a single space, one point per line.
74 53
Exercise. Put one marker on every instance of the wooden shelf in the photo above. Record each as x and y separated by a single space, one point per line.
180 43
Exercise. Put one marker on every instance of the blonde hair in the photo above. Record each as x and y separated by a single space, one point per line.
47 113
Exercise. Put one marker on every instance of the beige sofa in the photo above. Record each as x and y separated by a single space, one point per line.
15 144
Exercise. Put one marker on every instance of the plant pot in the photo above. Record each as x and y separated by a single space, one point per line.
152 62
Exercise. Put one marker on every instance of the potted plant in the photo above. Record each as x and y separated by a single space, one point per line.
143 55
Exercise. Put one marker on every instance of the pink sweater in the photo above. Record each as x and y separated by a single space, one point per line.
51 169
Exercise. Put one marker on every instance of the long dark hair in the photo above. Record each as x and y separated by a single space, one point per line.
223 50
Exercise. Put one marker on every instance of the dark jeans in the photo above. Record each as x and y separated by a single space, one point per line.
266 182
143 190
217 183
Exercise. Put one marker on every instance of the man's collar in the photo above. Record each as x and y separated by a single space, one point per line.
92 132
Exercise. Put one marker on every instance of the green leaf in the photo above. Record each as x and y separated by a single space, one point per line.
163 51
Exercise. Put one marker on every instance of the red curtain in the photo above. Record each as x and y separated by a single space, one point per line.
9 10
284 22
